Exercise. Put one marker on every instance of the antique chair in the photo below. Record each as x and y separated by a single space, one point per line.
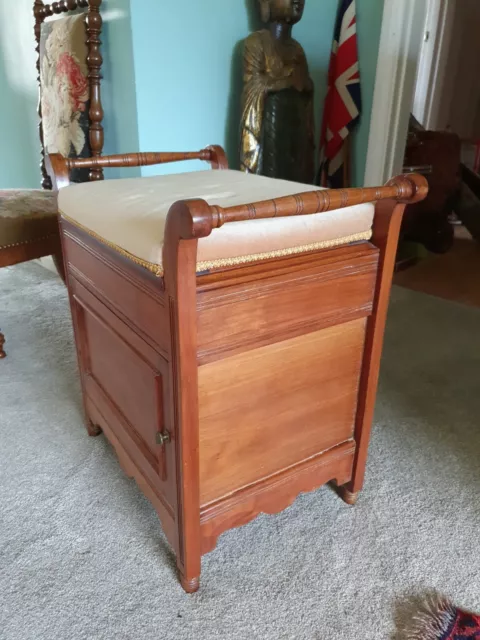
28 229
70 110
229 330
69 74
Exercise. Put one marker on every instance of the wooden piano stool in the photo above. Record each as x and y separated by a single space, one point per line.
228 382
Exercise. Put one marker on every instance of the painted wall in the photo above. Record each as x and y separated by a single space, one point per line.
188 69
118 85
19 143
19 146
172 77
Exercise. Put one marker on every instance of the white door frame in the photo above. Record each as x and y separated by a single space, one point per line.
432 62
403 29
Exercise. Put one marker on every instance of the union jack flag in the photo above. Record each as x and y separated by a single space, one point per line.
343 102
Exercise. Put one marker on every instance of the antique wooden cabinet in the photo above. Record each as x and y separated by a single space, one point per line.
227 390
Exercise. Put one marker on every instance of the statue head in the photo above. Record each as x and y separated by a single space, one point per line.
288 11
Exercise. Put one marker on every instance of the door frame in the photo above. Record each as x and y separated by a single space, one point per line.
402 47
432 64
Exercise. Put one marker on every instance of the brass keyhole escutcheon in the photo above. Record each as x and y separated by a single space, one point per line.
162 438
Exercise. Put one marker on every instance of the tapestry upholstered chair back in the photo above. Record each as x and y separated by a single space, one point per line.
69 67
70 109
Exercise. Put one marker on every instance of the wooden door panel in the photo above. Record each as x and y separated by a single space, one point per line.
136 302
125 376
129 381
249 315
268 408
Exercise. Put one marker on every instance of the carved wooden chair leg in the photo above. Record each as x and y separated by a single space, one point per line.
2 342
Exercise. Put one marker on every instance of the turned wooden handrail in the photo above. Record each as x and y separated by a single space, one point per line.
59 168
406 188
195 218
137 159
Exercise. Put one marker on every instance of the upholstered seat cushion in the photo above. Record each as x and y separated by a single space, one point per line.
130 215
27 215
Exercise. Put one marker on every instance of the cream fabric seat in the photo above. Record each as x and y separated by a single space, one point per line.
130 215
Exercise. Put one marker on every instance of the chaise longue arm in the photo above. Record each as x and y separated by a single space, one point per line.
60 167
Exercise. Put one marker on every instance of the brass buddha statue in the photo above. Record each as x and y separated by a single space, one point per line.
277 126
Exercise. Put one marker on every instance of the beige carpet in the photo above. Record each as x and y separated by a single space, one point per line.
81 551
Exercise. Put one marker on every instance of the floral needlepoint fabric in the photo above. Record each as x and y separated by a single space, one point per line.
65 89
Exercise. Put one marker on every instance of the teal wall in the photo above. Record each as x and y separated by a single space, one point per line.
188 65
172 78
188 70
19 145
19 142
118 85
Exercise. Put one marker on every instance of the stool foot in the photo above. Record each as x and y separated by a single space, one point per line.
349 497
190 585
2 342
93 430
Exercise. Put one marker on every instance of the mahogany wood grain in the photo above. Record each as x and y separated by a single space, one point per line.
93 23
59 167
133 378
179 261
214 155
407 188
240 388
386 230
146 314
269 400
125 375
133 467
275 493
241 317
218 157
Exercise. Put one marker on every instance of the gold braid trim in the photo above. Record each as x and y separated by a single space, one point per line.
324 244
157 269
29 241
207 265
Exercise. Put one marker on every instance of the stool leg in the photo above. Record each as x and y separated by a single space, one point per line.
189 585
92 429
346 495
386 228
2 342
